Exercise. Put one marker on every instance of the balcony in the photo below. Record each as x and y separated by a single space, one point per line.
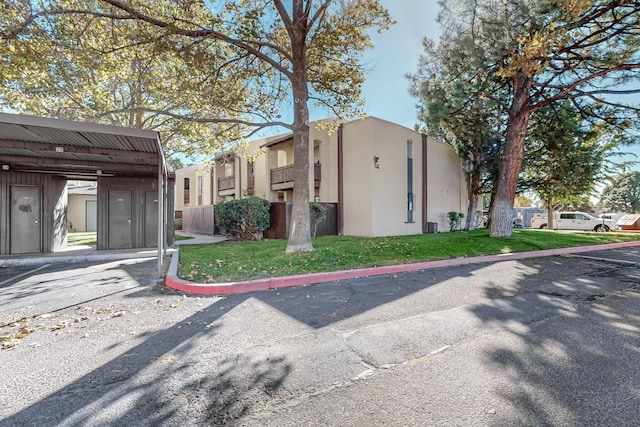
282 177
227 185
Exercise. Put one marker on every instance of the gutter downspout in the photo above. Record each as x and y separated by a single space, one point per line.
340 185
425 140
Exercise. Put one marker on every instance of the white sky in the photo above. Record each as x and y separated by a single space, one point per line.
395 54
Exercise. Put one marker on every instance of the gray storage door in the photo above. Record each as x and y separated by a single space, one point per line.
91 215
150 219
26 224
119 219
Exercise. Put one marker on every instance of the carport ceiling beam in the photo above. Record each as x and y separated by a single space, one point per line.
43 147
77 164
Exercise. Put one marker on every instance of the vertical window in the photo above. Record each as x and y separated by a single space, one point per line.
200 185
186 199
409 181
316 152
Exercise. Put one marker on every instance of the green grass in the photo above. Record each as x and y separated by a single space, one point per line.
234 261
181 237
84 238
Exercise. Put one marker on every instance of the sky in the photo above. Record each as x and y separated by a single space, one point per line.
395 54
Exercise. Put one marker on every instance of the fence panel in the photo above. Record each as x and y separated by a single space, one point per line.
198 219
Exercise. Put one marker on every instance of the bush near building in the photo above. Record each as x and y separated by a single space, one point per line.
243 219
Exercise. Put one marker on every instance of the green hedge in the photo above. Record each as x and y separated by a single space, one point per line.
243 219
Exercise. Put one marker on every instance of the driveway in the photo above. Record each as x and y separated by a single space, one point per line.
540 341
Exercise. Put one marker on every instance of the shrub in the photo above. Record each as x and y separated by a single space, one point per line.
243 219
454 220
177 224
318 214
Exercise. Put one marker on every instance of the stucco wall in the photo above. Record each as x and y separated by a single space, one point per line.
390 180
193 172
77 212
358 177
446 187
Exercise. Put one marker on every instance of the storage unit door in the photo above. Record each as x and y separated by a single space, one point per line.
25 220
120 236
150 219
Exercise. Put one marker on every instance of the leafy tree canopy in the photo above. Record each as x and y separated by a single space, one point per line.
623 193
529 54
232 63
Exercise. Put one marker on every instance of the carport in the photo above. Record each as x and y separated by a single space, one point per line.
37 157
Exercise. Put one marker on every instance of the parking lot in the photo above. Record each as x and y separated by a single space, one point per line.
540 341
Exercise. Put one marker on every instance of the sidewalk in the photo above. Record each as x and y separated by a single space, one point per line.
174 282
84 253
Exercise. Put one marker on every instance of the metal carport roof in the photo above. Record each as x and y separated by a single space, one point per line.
37 144
79 150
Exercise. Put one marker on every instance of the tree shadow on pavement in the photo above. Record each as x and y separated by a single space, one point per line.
185 375
164 381
573 357
153 384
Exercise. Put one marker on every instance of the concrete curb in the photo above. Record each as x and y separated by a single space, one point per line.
174 282
19 262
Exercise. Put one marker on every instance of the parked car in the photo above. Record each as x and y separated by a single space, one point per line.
574 221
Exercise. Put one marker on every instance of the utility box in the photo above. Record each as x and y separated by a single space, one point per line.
432 227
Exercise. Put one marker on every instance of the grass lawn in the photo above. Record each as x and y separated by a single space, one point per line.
84 238
234 261
181 237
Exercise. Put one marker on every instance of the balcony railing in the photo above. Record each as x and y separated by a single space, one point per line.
226 183
282 177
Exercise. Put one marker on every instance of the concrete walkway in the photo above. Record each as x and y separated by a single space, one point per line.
174 282
85 253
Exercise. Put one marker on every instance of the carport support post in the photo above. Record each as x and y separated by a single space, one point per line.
161 201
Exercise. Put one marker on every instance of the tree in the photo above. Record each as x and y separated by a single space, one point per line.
564 156
472 125
80 67
310 50
623 193
541 52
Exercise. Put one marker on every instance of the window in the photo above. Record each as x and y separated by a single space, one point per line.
409 181
316 151
186 199
200 185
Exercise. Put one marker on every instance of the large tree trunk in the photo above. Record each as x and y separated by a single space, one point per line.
511 161
300 226
474 185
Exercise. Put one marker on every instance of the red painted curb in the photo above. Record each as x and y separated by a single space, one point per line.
174 282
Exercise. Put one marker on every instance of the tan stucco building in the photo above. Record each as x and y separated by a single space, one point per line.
385 179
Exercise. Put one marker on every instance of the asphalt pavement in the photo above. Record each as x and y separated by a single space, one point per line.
549 340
